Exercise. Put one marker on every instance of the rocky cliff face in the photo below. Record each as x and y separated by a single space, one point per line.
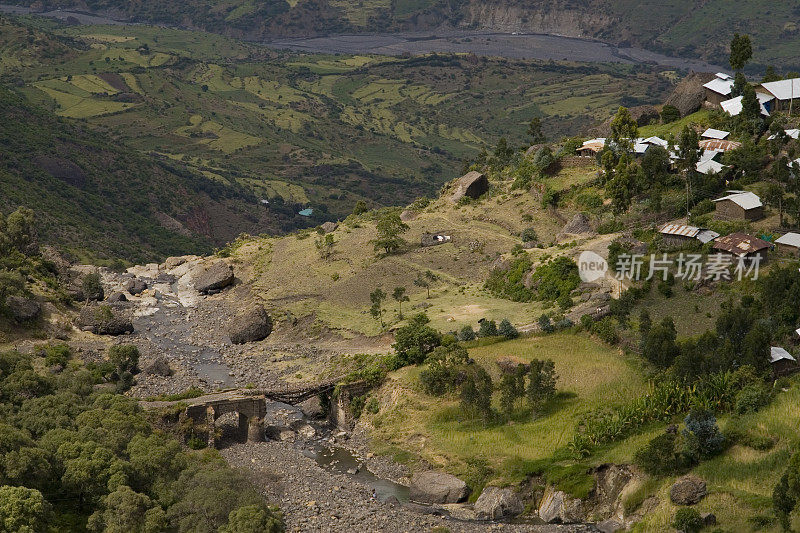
541 17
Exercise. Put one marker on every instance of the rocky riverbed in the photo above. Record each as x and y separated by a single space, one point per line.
315 499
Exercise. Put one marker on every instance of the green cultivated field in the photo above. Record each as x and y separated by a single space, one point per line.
341 128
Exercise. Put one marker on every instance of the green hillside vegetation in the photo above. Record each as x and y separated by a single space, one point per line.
78 460
341 128
100 202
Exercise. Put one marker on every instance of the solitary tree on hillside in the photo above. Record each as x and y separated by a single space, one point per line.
425 280
399 295
325 245
741 51
390 227
623 129
535 131
688 157
377 297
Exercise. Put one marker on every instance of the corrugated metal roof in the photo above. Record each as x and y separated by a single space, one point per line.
783 89
789 239
793 133
679 229
740 244
706 235
711 133
719 145
720 86
594 144
734 106
723 76
776 353
707 166
657 141
709 154
745 200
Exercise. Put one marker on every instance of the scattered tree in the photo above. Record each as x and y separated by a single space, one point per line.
741 51
325 244
377 297
399 295
390 227
535 131
424 280
507 330
623 130
414 341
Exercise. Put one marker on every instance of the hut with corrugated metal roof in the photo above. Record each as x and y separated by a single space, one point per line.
739 205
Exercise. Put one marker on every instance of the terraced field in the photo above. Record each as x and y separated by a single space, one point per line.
325 130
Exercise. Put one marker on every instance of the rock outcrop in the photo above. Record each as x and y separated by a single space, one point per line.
213 278
494 503
472 184
23 309
104 320
558 507
687 490
329 227
116 297
437 487
253 324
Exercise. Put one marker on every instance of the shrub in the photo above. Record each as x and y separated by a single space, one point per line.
507 330
659 456
688 520
357 405
488 329
445 364
124 357
416 340
466 334
606 329
510 284
670 113
528 235
91 287
556 279
703 438
751 398
56 354
545 325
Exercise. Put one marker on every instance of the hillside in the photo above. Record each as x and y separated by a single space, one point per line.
691 28
98 201
306 130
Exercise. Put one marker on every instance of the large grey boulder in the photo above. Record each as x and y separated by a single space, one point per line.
23 309
251 325
687 490
104 320
159 367
557 506
437 487
116 297
495 502
472 184
213 278
135 286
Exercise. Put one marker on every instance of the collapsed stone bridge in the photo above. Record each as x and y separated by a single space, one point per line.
250 406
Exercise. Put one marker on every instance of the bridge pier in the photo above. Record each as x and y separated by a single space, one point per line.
255 429
210 419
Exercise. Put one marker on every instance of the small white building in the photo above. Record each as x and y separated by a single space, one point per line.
711 133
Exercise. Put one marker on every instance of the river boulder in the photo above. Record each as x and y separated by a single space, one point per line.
494 503
104 320
251 325
213 278
437 487
23 309
135 286
159 367
687 490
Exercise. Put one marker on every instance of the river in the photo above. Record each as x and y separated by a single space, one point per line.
509 45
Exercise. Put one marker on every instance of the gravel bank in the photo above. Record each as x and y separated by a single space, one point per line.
314 499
